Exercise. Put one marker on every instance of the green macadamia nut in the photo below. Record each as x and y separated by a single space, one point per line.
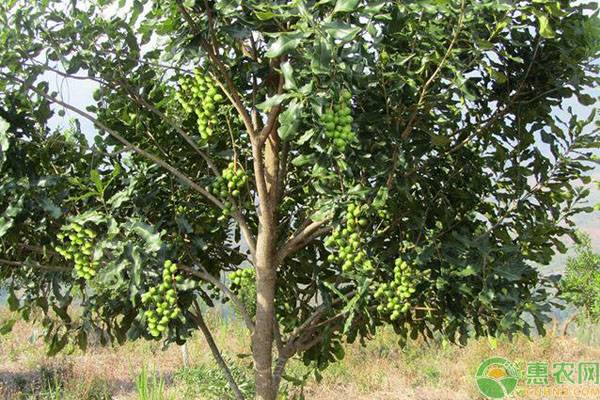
78 243
242 278
346 242
232 181
395 296
161 301
199 94
337 121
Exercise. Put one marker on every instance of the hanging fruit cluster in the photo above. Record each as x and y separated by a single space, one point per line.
337 122
78 245
242 278
396 295
199 94
348 241
162 300
243 284
230 183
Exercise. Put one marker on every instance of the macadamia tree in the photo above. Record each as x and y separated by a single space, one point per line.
363 163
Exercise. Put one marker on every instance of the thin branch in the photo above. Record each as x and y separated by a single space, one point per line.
260 179
267 130
277 335
184 178
318 313
499 112
216 353
37 249
204 275
413 116
228 87
18 264
238 217
282 172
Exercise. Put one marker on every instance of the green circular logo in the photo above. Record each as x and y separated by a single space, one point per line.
497 378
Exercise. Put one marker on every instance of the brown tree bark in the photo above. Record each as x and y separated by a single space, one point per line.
262 339
266 164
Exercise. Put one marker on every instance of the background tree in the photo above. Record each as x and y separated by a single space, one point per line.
580 285
371 162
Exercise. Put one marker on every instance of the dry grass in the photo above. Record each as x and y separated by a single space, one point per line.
381 370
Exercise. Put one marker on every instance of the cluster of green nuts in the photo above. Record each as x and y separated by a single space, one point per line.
242 278
162 300
337 122
78 246
347 240
230 183
199 94
395 296
243 284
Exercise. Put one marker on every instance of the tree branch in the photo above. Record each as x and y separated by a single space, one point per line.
413 117
267 130
314 317
228 87
184 178
302 238
237 216
216 353
17 264
499 112
204 275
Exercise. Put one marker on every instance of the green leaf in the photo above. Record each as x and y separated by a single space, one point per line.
7 219
321 57
285 42
289 120
341 31
12 301
440 140
118 198
324 211
373 8
345 6
264 15
56 344
152 238
91 216
51 208
305 137
288 75
303 159
586 99
545 28
273 101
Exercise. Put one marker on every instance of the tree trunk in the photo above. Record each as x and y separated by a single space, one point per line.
266 167
262 339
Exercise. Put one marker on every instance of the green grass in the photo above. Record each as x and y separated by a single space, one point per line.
207 381
150 386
